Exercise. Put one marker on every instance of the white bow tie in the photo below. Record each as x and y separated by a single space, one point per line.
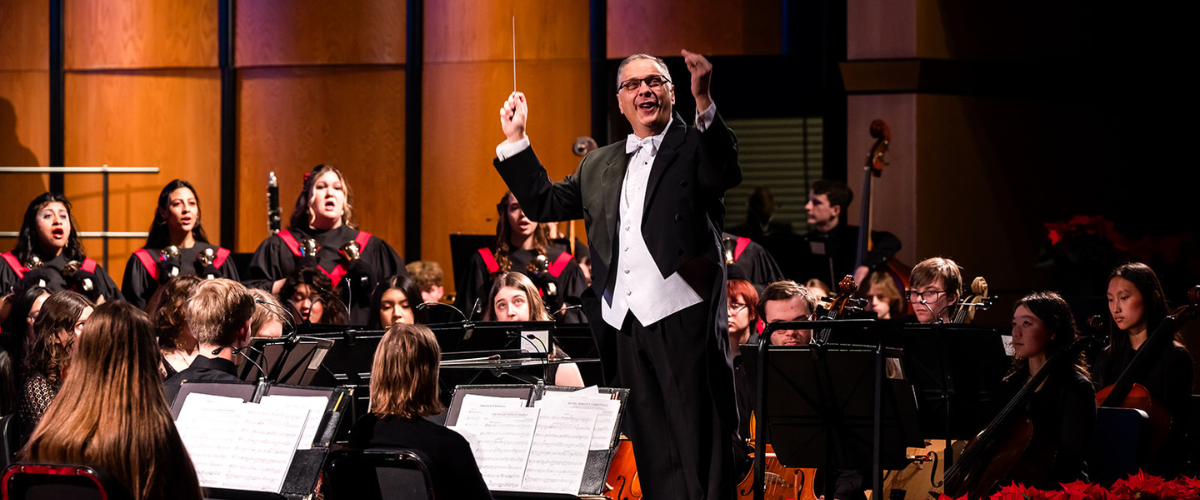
633 143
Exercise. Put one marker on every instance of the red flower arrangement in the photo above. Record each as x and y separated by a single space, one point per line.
1139 486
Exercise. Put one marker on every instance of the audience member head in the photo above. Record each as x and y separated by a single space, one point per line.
267 320
307 290
55 331
645 94
404 376
111 412
935 287
885 299
761 204
48 229
787 301
178 213
743 309
218 313
428 276
166 311
325 201
393 302
1136 304
515 298
1042 326
828 201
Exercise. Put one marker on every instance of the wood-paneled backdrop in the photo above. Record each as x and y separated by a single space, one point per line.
320 82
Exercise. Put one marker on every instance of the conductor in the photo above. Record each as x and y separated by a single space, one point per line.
652 205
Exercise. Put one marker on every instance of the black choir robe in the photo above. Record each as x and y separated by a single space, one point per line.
138 287
477 281
273 261
55 281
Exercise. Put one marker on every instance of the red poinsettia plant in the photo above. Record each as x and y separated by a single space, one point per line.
1140 486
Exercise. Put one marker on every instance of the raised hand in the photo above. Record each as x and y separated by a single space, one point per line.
513 117
701 71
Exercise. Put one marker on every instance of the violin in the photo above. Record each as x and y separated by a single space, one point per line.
1007 447
1125 393
899 273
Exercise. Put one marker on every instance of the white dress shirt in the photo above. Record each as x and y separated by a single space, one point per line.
639 288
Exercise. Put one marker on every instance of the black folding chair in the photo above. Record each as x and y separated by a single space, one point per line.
9 440
378 474
59 482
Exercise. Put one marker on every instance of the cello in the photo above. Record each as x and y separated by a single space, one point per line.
978 300
899 273
1007 446
1125 393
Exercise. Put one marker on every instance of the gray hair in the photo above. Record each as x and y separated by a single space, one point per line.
661 65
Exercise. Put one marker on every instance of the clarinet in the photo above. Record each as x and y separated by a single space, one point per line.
273 214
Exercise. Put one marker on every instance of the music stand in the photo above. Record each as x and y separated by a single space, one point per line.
832 407
291 361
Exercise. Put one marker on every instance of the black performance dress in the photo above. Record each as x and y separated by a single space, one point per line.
279 255
143 273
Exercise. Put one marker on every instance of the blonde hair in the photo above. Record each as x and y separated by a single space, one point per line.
537 307
111 411
929 270
264 314
302 216
217 309
885 282
404 376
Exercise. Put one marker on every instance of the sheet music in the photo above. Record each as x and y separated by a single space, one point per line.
469 410
503 437
559 452
602 407
315 405
244 446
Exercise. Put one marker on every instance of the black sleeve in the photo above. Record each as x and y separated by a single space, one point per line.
760 267
137 286
572 283
228 269
272 261
719 168
107 286
541 200
1078 405
1177 394
885 247
386 263
464 479
8 278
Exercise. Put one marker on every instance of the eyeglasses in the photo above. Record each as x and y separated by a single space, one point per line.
735 308
917 297
652 81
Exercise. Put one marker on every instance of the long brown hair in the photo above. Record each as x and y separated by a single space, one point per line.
302 216
111 411
46 353
537 306
541 236
404 376
159 234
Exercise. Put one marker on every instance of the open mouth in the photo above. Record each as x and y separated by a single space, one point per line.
330 205
648 106
58 233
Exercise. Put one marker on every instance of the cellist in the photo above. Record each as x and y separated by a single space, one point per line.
1063 408
1136 305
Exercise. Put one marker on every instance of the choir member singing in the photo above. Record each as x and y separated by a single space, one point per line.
522 246
323 233
404 390
49 251
652 204
177 246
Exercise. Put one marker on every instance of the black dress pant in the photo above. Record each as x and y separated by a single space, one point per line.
681 416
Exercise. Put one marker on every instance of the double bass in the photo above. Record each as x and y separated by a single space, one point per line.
899 273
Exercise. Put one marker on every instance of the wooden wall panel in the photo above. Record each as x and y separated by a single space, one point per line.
460 30
168 119
711 27
460 187
895 202
24 35
140 34
293 32
291 119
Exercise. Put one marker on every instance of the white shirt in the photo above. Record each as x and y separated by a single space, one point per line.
639 288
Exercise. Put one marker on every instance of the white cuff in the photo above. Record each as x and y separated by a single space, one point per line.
704 119
506 150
